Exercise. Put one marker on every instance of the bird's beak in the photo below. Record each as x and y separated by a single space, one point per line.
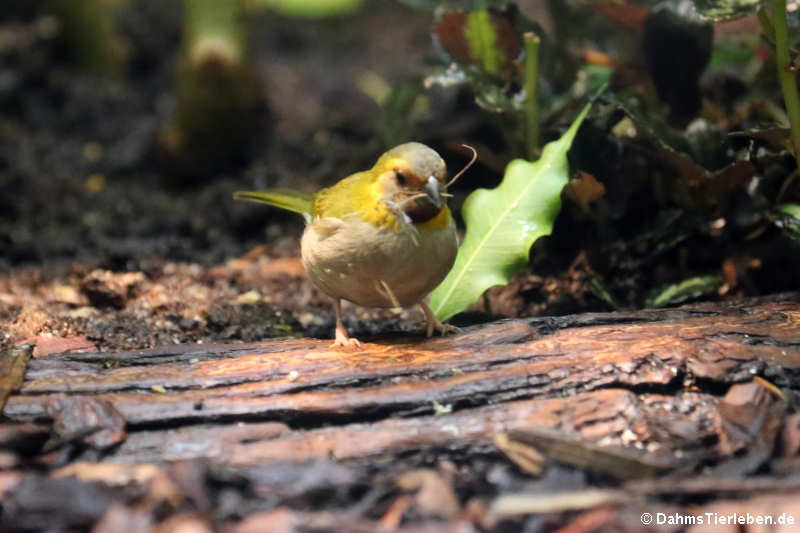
432 189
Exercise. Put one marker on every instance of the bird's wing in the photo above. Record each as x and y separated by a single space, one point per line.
327 226
289 199
351 196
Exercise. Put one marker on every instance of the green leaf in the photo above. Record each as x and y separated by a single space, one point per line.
792 210
482 41
689 288
486 39
308 8
503 223
725 9
789 220
600 289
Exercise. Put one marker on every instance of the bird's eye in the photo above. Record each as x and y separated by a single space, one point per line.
401 178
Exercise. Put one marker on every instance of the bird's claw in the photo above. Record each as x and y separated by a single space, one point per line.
434 323
344 343
444 329
344 340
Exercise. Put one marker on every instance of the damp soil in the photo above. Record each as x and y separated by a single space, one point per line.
84 193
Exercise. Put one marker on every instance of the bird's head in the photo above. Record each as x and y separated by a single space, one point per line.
412 177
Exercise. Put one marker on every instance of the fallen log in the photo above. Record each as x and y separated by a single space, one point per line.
624 395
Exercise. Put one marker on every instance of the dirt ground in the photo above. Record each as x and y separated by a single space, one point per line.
82 188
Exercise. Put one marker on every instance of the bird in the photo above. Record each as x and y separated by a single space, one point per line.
383 237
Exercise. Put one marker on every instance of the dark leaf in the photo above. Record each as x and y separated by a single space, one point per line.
677 45
689 183
777 137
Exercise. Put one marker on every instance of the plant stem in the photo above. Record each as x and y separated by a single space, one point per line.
531 99
786 73
215 31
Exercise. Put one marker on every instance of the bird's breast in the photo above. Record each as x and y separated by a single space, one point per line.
378 266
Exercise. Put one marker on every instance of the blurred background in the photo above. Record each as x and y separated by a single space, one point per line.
125 125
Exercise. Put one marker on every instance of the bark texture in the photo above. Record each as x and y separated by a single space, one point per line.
304 435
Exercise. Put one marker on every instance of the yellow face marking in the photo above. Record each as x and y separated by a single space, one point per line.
395 162
361 195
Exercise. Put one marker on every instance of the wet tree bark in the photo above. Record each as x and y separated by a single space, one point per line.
640 392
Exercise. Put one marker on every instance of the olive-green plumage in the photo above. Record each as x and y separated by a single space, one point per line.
289 199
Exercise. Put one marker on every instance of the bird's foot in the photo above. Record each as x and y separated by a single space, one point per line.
344 340
433 323
444 329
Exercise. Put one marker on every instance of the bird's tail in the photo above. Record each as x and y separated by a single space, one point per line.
289 199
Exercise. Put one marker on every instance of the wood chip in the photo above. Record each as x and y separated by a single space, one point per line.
525 456
12 370
522 504
95 421
435 495
108 289
392 517
620 463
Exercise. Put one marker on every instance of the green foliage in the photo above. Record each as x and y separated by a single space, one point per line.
685 290
725 9
600 290
786 75
789 220
486 43
503 223
495 52
664 130
792 210
482 40
308 8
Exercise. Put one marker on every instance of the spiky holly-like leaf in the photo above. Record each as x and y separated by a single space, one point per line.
503 223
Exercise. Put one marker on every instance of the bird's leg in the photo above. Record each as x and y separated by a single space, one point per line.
433 322
342 338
